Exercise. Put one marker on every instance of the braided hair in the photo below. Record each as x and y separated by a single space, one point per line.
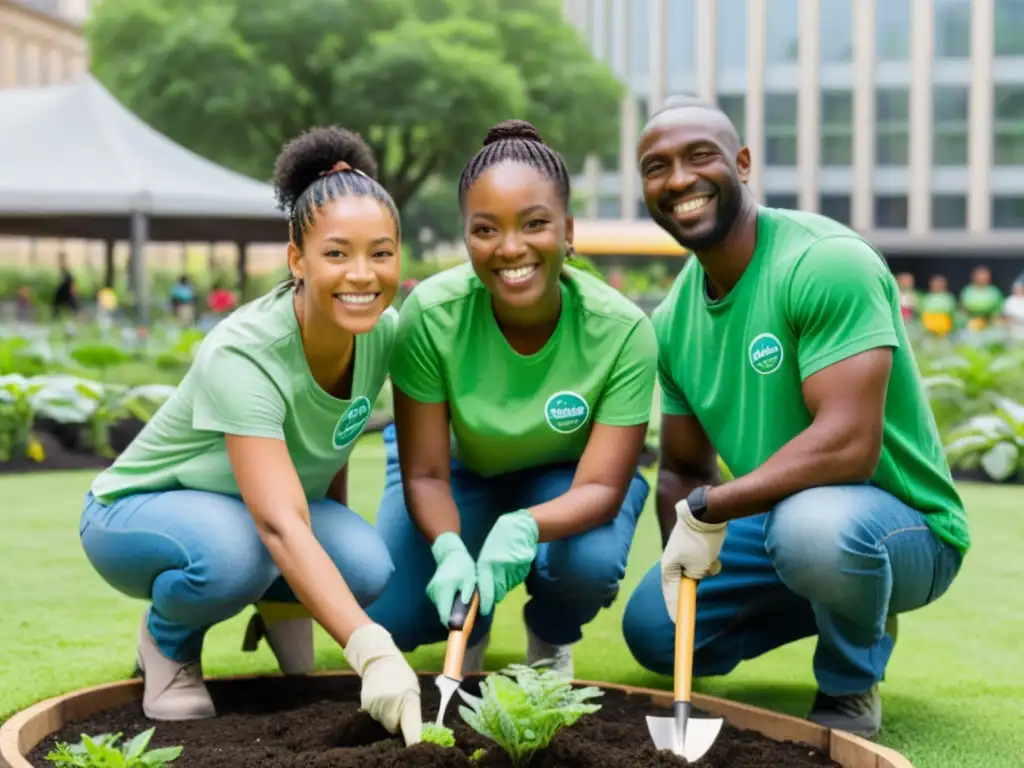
321 165
518 141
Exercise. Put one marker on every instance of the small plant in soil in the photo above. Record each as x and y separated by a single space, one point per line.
522 708
438 734
102 752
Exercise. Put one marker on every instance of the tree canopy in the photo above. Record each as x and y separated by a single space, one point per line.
421 80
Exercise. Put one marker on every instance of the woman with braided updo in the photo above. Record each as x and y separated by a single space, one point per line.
522 390
235 493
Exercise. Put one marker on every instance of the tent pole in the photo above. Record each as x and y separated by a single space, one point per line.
140 234
243 258
108 263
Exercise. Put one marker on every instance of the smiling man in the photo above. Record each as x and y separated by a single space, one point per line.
782 349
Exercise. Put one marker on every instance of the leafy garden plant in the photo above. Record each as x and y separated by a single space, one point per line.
523 707
103 752
993 441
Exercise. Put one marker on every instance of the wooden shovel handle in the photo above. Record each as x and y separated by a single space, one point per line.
686 619
459 634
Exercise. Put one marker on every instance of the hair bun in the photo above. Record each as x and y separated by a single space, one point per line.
316 152
513 129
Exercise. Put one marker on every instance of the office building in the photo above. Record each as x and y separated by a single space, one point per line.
903 118
41 41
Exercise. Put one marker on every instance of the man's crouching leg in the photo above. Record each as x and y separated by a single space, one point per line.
859 556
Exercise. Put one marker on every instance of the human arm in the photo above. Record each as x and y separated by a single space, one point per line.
602 477
250 413
273 494
424 457
842 444
686 460
840 303
422 429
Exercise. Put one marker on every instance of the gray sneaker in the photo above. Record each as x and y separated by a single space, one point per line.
172 690
856 713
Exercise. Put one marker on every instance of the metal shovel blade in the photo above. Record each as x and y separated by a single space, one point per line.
696 734
447 686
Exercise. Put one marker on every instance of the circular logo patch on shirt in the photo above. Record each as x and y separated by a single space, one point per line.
352 422
566 412
766 353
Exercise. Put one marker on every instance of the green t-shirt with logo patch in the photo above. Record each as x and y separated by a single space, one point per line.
815 293
250 377
511 411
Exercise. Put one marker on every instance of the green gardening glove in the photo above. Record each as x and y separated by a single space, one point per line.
506 557
455 574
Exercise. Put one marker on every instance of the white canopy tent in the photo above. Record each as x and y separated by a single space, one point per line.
75 163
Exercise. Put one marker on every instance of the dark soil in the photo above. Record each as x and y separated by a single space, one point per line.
278 722
65 447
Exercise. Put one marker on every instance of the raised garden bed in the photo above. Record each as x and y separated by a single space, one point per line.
314 722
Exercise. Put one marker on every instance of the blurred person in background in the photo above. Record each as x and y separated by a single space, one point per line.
522 391
909 297
106 306
981 300
235 492
1013 311
221 301
938 308
183 300
782 350
65 297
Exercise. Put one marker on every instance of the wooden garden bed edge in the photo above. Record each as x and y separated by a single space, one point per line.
27 728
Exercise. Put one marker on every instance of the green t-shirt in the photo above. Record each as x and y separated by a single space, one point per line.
511 411
983 302
250 377
938 303
814 293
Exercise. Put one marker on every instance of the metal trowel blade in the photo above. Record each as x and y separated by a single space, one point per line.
447 686
700 735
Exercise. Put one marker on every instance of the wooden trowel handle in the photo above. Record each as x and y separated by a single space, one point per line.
686 619
460 624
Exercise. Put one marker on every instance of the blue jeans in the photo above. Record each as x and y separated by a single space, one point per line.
834 562
571 579
198 557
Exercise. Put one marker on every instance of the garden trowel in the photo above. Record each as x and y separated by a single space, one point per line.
690 738
460 625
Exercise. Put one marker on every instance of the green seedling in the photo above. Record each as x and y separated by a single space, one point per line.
523 707
478 754
103 752
441 735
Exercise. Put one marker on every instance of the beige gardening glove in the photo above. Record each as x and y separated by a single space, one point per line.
391 690
692 550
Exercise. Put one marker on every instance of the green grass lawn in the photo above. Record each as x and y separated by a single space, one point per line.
954 697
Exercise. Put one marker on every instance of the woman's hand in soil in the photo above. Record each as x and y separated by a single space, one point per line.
455 574
390 690
506 557
692 550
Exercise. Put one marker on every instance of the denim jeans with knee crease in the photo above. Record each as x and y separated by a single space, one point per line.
834 562
197 557
570 581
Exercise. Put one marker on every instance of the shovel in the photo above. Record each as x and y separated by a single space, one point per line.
460 625
686 737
